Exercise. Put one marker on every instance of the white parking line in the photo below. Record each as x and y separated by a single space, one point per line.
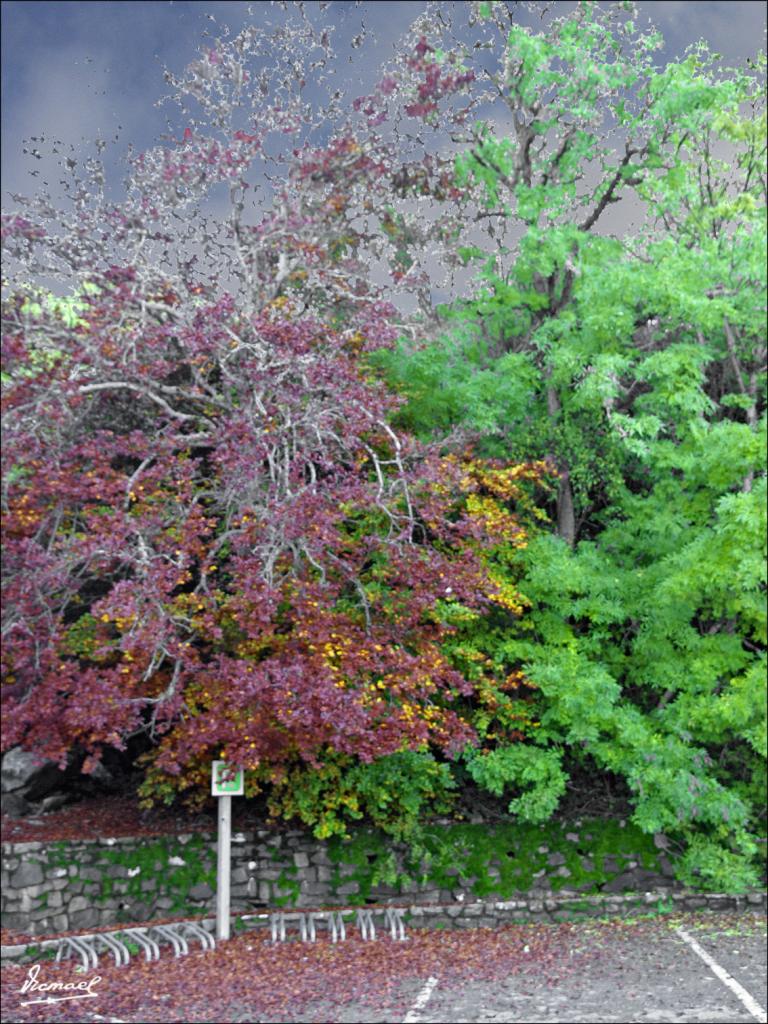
412 1017
738 990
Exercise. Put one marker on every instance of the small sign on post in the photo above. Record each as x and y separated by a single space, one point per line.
225 783
222 786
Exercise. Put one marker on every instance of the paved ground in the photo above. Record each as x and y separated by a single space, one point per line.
641 973
692 968
661 980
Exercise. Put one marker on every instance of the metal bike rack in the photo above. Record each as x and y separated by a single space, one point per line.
393 919
307 923
333 920
180 934
140 938
88 947
78 944
364 921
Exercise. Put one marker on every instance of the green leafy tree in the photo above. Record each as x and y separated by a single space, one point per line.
637 365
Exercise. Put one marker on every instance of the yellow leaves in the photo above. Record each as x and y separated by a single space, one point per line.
503 593
496 519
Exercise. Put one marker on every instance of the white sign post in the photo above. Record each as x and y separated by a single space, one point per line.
224 789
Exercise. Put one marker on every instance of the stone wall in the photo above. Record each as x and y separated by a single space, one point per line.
53 887
456 917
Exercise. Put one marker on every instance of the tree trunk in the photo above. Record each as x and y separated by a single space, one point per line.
566 520
566 517
750 390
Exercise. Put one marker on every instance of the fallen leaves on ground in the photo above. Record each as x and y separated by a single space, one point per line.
249 978
119 816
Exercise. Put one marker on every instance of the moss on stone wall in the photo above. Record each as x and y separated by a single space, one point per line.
146 871
501 859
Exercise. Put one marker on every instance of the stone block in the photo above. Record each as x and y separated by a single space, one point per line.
84 918
285 893
31 892
636 880
316 889
15 921
24 770
301 860
385 890
347 888
39 913
238 875
141 912
13 805
77 904
201 891
27 874
666 867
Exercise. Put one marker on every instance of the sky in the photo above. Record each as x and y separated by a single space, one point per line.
77 69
